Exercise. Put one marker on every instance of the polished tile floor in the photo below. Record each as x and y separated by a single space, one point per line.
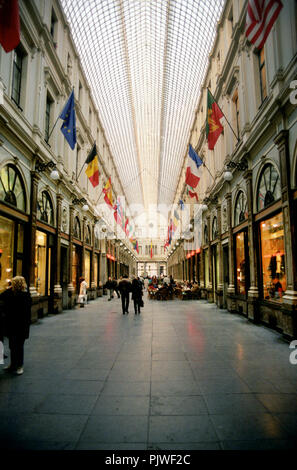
182 375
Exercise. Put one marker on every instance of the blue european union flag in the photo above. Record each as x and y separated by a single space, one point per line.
181 203
69 127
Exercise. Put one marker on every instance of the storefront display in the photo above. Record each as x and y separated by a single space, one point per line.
88 268
96 270
240 266
76 268
6 251
273 258
40 262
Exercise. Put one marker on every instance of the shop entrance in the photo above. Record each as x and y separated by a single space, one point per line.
76 267
214 271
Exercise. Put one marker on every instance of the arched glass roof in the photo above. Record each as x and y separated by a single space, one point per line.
145 61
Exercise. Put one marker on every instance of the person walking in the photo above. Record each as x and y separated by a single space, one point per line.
146 283
115 287
110 286
82 297
137 295
125 288
17 318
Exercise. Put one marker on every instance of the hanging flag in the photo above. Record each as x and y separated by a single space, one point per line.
213 126
9 24
137 248
107 190
194 162
181 204
192 193
151 249
118 213
261 16
69 126
92 170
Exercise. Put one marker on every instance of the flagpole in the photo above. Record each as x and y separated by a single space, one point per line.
237 137
52 129
56 123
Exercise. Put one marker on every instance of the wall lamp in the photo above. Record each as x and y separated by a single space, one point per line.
83 201
40 167
240 166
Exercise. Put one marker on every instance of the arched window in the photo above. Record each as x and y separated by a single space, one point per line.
76 228
88 237
269 189
45 211
12 189
240 209
205 234
214 228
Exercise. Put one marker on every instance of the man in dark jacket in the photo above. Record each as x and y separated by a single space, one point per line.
17 318
125 288
137 295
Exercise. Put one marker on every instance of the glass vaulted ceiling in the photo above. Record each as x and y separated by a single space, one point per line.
145 61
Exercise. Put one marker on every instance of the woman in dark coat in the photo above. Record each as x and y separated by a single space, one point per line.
137 295
17 318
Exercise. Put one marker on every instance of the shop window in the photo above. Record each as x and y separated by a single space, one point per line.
12 189
206 268
240 264
96 270
214 228
6 251
45 211
76 228
88 268
40 262
240 212
273 258
11 250
269 189
88 237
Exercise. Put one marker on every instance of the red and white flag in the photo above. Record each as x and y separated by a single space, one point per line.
9 24
261 16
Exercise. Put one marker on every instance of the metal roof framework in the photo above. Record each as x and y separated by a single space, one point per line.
145 61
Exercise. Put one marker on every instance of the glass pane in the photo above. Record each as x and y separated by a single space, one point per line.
6 251
88 268
19 267
75 268
49 271
40 262
240 265
206 268
20 241
273 258
96 270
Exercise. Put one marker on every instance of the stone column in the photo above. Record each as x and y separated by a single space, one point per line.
231 305
71 293
253 292
220 255
289 306
57 286
32 247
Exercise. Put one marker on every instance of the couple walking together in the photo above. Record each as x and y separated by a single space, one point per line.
125 287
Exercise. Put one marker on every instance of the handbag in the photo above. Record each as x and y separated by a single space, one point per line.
141 303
